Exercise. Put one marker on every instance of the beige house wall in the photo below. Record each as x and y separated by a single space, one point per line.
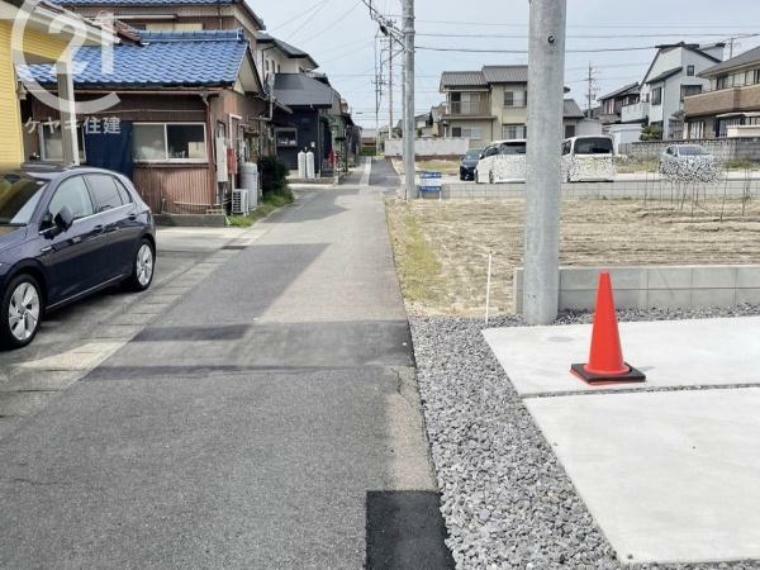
486 126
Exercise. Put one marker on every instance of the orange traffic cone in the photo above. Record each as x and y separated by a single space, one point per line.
606 362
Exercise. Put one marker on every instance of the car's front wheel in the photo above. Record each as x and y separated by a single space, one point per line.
143 267
21 312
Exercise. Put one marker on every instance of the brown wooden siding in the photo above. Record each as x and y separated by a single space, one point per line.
175 189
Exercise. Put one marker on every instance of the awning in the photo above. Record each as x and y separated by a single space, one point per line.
730 115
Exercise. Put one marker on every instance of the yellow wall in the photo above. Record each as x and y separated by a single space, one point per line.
36 44
507 115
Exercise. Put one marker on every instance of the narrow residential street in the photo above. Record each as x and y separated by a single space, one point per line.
266 418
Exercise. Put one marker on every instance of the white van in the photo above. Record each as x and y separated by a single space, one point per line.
588 159
503 161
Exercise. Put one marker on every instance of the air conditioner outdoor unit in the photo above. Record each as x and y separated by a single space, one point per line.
240 202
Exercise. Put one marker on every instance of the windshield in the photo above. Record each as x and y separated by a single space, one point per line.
473 154
19 195
514 148
692 151
594 145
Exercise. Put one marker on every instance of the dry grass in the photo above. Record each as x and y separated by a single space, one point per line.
442 248
448 167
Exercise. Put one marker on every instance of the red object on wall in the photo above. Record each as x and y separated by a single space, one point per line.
232 162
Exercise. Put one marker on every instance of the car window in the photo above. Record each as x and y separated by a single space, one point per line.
104 191
594 145
19 197
491 151
73 193
691 151
514 148
566 147
126 198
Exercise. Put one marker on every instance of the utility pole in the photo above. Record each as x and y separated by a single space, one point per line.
546 68
390 86
590 88
410 133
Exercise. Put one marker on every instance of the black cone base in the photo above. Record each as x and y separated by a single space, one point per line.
632 376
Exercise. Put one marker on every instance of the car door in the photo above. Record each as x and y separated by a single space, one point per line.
71 257
113 208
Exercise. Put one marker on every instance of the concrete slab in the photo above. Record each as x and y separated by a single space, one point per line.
710 352
668 476
196 240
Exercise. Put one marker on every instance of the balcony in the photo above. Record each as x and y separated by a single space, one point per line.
733 99
634 113
468 109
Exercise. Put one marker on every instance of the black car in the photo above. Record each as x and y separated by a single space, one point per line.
469 164
66 234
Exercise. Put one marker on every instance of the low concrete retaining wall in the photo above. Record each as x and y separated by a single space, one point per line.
634 189
663 287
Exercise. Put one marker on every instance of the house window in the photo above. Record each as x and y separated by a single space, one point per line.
756 76
472 133
169 142
689 90
690 70
51 143
513 131
722 82
696 129
465 103
657 96
286 137
515 98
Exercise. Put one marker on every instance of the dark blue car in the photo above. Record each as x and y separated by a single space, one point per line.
66 234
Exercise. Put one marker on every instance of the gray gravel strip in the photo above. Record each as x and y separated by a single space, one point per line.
506 499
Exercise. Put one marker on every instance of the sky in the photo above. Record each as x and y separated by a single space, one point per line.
340 36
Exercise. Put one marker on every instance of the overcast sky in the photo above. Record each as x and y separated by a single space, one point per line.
339 34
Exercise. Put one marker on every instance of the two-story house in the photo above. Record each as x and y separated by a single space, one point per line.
611 105
731 107
492 104
276 56
672 76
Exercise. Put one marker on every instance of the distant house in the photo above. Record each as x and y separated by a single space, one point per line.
188 103
315 119
276 56
611 105
673 75
492 104
731 106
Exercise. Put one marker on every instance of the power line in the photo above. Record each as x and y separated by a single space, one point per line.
525 51
333 23
587 36
318 8
646 26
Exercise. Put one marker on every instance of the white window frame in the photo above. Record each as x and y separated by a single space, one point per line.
43 153
166 159
506 126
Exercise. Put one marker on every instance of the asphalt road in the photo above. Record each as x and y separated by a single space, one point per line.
266 417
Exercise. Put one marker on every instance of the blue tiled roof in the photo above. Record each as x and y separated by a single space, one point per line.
142 3
173 59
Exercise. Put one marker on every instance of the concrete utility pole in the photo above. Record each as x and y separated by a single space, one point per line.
410 131
546 71
390 86
590 88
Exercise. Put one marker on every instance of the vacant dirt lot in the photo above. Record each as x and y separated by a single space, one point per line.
442 247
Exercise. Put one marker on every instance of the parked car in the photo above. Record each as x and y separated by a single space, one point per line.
684 153
469 164
503 161
64 235
588 159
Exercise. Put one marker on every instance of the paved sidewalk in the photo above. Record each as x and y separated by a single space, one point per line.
269 418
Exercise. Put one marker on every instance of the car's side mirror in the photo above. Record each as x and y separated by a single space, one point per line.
64 219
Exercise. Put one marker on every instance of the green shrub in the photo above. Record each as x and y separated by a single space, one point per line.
651 133
274 176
